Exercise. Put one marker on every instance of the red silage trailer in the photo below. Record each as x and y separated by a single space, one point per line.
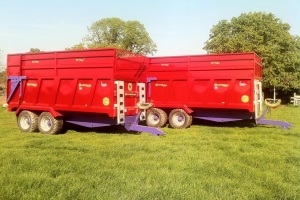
215 87
91 88
104 87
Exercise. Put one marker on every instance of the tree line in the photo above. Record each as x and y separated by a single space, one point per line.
270 38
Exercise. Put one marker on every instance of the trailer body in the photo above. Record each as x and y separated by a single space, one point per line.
90 87
217 87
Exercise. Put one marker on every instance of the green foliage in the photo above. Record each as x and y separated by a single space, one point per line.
34 50
206 161
137 39
114 32
3 76
2 67
269 37
3 79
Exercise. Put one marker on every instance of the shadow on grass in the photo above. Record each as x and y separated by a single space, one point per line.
233 124
119 129
116 129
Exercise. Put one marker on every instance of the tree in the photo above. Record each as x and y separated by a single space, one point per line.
2 75
114 32
2 67
34 50
137 39
269 37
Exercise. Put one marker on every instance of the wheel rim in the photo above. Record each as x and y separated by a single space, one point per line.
153 118
25 122
46 123
178 119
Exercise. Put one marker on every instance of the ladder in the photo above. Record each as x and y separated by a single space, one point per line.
142 98
120 102
258 98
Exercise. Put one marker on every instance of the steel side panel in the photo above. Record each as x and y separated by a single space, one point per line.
223 81
75 81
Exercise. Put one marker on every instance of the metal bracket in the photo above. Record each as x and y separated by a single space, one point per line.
15 82
148 84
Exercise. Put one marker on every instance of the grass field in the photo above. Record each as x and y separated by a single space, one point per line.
206 161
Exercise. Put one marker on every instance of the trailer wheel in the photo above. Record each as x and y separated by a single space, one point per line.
156 117
178 119
28 121
49 125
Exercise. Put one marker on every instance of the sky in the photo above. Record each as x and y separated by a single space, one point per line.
178 27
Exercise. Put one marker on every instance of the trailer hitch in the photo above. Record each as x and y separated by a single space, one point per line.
262 120
132 124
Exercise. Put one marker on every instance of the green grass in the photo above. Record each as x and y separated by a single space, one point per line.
206 161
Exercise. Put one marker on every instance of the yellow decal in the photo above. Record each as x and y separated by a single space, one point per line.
129 86
164 65
80 59
84 85
162 85
221 85
245 98
32 84
35 61
215 63
130 94
105 101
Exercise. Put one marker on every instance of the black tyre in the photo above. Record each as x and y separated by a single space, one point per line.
156 117
178 119
28 121
49 125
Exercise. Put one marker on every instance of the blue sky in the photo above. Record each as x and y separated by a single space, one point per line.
178 27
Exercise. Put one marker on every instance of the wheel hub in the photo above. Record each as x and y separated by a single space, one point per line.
46 123
155 117
25 122
180 118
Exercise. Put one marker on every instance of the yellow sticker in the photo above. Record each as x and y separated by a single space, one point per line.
162 85
105 101
221 85
84 85
31 84
245 98
129 86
